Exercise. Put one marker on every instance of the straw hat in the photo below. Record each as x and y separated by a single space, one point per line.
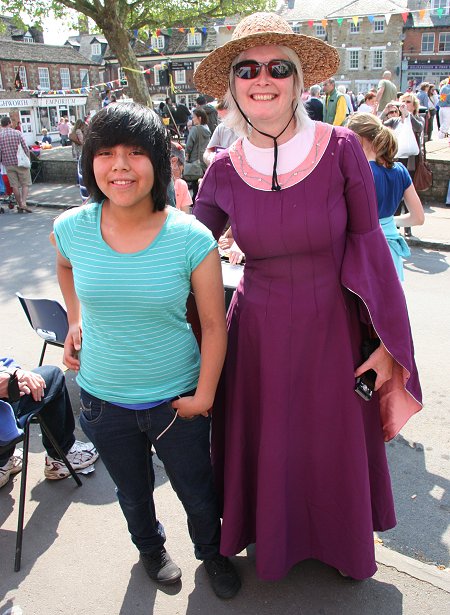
318 59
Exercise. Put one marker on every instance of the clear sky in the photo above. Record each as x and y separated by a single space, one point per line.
56 32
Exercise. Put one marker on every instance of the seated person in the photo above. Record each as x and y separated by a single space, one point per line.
45 388
46 137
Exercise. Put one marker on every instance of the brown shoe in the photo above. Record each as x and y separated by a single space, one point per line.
24 210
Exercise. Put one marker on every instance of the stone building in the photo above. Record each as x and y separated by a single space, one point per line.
53 82
367 45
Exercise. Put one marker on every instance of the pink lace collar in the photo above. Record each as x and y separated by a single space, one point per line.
259 181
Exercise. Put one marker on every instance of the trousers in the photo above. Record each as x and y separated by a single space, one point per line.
124 439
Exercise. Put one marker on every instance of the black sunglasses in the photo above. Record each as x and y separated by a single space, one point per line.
277 69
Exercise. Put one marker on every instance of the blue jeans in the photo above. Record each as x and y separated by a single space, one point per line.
124 439
56 411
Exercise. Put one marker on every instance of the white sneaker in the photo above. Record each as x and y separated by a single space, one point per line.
12 466
81 455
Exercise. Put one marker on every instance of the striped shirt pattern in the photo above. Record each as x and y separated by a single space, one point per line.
137 346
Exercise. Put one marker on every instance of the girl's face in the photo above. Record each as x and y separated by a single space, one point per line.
265 99
195 119
124 173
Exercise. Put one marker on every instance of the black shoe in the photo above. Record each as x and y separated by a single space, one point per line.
159 567
223 575
407 231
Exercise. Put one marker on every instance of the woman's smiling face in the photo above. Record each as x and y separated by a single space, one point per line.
265 100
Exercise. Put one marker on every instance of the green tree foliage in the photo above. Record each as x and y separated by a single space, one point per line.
118 19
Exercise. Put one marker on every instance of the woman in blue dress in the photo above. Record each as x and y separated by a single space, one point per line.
392 182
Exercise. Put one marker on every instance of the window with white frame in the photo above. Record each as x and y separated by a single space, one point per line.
157 42
65 78
156 75
296 29
44 78
121 73
84 77
378 25
96 49
427 42
179 76
444 41
194 40
28 37
354 28
440 4
353 59
22 74
377 58
319 31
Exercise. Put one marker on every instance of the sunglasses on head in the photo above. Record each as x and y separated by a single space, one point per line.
277 69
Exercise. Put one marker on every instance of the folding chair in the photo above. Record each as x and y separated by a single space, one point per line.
48 318
25 422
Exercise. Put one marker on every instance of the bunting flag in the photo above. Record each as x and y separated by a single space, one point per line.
440 12
355 20
422 14
340 20
158 32
310 23
387 18
404 17
229 28
371 18
192 30
324 22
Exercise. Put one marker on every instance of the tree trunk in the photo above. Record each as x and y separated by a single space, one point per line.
119 44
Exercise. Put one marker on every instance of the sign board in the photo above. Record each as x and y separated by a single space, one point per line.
182 65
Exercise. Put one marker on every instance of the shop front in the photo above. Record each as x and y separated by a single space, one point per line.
34 114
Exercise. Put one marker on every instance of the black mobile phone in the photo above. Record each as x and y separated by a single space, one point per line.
365 384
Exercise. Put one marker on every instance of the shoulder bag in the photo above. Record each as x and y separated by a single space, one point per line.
22 158
192 171
423 175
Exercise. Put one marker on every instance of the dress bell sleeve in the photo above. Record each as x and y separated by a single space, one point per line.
368 271
207 208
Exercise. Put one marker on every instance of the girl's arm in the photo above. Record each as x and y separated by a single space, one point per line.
415 215
72 344
209 295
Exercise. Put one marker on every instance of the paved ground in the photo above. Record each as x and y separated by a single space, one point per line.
77 555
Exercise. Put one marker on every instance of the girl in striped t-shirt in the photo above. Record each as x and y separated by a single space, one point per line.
125 264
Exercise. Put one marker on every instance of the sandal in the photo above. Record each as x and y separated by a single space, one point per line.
24 209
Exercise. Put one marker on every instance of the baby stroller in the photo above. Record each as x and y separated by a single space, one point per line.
6 194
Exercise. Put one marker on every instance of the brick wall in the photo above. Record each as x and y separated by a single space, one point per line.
8 74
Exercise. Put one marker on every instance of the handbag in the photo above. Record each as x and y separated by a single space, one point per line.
22 158
423 175
192 171
406 139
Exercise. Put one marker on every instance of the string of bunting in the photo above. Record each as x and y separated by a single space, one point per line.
110 85
324 22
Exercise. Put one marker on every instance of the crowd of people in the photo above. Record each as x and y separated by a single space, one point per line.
296 462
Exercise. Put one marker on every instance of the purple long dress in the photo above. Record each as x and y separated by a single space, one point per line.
298 457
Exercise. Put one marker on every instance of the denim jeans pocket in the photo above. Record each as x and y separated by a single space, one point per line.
91 408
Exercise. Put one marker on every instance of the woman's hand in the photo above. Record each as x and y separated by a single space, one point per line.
381 362
72 346
30 384
191 406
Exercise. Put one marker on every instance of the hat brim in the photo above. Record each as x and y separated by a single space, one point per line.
319 60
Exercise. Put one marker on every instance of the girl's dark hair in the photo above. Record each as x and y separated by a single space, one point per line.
128 124
202 115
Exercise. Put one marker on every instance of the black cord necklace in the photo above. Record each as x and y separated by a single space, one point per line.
275 184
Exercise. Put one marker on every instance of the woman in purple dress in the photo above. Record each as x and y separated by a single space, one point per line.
299 457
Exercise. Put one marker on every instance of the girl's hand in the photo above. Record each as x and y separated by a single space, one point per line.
191 406
381 362
72 346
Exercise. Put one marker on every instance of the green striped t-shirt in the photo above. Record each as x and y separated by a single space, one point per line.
137 346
